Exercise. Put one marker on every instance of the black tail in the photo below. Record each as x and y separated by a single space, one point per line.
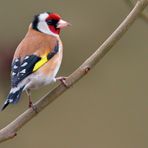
5 105
13 97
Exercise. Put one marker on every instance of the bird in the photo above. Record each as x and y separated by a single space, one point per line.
38 57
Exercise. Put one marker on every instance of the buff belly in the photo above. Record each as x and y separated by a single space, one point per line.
45 75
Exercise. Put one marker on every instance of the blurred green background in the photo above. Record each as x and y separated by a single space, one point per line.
108 108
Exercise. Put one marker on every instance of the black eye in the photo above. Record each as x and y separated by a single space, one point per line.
49 22
52 22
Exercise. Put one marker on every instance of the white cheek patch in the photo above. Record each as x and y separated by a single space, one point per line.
43 27
43 16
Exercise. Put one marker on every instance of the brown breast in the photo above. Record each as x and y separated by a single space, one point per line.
35 43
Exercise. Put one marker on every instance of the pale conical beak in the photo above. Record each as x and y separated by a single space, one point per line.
63 24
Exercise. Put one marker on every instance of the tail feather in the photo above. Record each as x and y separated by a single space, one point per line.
5 105
13 97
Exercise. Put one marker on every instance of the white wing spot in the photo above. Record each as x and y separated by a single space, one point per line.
13 73
24 64
14 90
26 57
10 100
5 102
23 71
16 60
15 67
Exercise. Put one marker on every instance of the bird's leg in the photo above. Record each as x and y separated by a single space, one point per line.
62 80
28 92
29 98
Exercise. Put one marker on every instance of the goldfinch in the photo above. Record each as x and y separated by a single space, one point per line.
38 57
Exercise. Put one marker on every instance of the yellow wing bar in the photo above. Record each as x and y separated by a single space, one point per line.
46 57
40 63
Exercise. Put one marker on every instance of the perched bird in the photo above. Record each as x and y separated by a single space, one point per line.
38 57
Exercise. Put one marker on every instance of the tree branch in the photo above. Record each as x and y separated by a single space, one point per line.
10 130
143 15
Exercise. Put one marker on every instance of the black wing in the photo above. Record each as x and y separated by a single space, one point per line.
21 69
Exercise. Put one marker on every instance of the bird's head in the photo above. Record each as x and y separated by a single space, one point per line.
49 23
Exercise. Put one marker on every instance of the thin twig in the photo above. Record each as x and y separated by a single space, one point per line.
10 130
143 15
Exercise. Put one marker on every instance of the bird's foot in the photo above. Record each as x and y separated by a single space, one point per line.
33 107
30 104
63 81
